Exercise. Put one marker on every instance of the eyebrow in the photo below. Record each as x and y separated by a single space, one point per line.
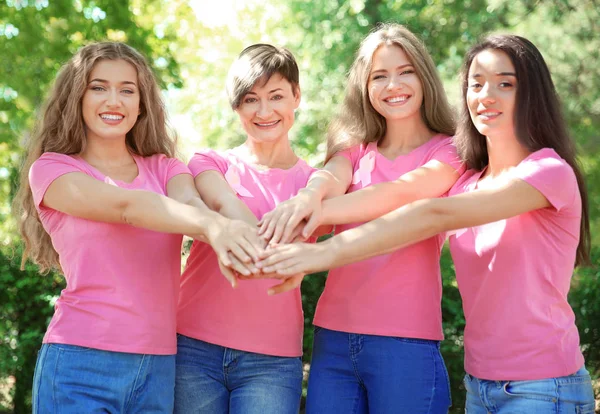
271 91
478 75
399 67
105 81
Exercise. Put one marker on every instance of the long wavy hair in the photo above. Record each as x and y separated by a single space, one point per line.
358 122
538 118
61 129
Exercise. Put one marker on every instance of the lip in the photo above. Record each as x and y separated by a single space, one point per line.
488 114
403 99
112 121
267 125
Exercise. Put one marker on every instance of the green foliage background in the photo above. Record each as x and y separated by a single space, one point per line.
191 46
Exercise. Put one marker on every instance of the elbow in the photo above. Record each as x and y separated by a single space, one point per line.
436 215
126 207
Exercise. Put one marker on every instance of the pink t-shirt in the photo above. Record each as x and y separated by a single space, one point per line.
514 276
397 294
122 281
246 318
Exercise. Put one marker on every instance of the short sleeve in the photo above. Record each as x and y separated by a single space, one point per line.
445 151
550 175
176 167
48 168
207 160
352 154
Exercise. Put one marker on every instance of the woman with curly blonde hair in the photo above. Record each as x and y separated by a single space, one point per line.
103 200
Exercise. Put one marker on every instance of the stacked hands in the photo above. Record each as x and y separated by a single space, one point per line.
274 248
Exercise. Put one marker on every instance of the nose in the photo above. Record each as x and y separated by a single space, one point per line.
264 109
395 83
113 98
486 95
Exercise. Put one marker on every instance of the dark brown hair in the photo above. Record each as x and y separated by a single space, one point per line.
539 122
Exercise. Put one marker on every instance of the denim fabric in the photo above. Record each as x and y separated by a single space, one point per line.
570 394
73 379
352 373
213 379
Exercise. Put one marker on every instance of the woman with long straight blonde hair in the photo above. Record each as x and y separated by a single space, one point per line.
378 324
103 201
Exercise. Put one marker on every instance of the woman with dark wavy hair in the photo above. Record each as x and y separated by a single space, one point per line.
520 222
100 191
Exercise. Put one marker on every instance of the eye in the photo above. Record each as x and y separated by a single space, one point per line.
505 84
376 77
277 97
407 72
249 100
475 85
97 88
128 91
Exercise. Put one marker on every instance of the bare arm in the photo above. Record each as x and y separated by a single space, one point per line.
407 225
431 180
334 180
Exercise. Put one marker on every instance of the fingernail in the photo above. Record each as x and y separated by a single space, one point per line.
270 292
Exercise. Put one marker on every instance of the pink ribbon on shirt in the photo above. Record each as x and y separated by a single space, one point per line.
232 176
365 166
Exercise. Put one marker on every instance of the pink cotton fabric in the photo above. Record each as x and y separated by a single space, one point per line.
122 281
397 294
514 276
245 318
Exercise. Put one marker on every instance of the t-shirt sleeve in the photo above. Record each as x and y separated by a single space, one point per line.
207 160
446 152
48 168
176 167
351 154
551 176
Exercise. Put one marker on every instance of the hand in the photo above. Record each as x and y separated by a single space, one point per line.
289 283
278 225
291 259
236 244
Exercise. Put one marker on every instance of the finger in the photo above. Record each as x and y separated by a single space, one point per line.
273 255
297 235
249 248
229 275
223 256
311 226
280 265
263 223
239 252
239 267
289 284
282 223
270 228
293 225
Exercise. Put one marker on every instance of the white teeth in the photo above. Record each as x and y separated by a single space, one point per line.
266 125
397 99
489 113
112 117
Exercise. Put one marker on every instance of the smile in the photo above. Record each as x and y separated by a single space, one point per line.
266 124
397 99
111 117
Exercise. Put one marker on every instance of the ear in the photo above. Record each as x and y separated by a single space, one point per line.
297 96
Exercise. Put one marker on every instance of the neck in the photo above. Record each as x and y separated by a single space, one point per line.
106 152
277 154
404 135
504 154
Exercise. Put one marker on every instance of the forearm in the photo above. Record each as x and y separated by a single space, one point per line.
365 205
232 207
400 228
324 184
159 213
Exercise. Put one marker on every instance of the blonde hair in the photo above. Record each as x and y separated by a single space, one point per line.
61 129
358 122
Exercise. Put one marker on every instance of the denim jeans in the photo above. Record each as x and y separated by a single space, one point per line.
352 373
213 379
570 394
73 379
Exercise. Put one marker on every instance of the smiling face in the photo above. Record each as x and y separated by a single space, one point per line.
111 102
395 90
267 111
492 93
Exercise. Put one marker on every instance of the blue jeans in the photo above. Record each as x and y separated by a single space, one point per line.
213 379
74 379
570 394
352 373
